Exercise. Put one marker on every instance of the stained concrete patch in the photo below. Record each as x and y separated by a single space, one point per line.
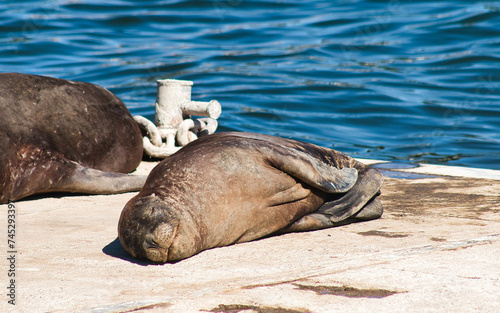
149 307
346 291
438 239
236 308
453 197
382 234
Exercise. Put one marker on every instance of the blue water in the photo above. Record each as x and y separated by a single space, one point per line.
407 81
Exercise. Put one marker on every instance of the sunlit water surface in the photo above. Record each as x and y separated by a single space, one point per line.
409 81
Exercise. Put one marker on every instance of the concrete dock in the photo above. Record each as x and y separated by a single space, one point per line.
436 249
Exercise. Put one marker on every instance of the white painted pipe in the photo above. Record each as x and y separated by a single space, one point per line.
173 104
172 93
200 108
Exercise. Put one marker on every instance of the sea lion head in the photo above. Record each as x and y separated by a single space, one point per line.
147 228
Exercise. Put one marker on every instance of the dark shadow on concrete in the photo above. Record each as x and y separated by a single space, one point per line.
59 195
115 249
56 195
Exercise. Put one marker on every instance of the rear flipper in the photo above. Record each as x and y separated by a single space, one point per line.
371 211
314 221
91 181
359 203
367 186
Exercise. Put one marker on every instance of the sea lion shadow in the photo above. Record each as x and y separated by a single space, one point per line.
54 195
115 249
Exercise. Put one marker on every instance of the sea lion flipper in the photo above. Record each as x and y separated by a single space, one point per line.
359 203
324 169
49 171
320 220
372 210
367 187
92 181
313 171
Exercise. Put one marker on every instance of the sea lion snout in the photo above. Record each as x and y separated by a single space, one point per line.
146 229
157 243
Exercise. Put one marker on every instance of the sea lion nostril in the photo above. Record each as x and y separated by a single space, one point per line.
153 250
151 242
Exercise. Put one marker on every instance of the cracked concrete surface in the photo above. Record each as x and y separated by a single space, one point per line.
435 249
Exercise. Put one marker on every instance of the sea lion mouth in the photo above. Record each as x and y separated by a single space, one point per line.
154 252
159 256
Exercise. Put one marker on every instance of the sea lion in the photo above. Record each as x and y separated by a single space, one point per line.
232 187
64 136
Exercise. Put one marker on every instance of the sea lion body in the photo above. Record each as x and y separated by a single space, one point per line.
228 188
60 135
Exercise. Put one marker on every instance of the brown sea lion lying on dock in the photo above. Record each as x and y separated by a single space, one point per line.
63 136
228 188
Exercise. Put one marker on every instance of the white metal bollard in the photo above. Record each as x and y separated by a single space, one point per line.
173 118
